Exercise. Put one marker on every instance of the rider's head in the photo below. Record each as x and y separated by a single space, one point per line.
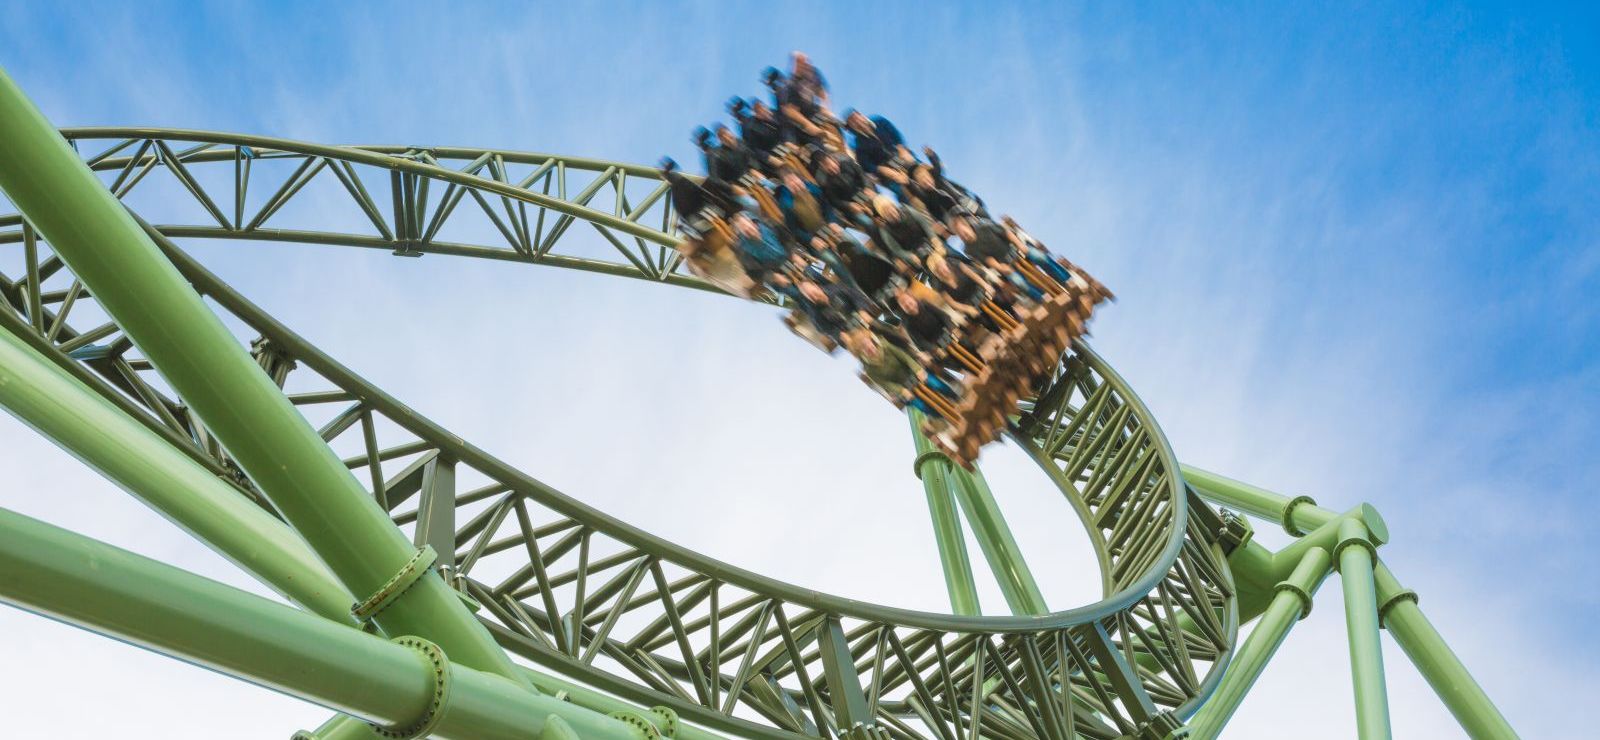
962 227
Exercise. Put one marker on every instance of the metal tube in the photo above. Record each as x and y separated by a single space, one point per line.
999 546
109 251
68 413
1399 613
91 584
1297 514
1398 610
596 701
1291 603
1356 555
934 468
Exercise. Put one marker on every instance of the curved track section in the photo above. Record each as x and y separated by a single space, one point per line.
587 595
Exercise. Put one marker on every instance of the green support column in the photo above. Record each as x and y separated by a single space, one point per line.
999 547
62 409
1462 695
1356 555
90 584
110 253
1298 515
1397 608
1291 603
934 469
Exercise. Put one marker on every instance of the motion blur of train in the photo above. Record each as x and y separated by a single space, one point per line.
875 250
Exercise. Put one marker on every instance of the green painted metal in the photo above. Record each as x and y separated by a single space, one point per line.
1436 662
583 696
1291 602
62 409
111 254
1299 514
1155 554
999 546
935 470
1356 555
93 585
1397 607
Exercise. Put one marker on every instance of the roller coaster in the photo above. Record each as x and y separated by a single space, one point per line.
418 565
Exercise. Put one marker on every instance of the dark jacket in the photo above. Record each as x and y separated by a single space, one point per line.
840 189
877 148
729 163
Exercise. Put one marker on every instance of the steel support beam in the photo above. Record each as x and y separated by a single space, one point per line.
90 584
999 547
65 411
1397 607
1356 555
1291 603
935 469
1400 615
1298 515
111 254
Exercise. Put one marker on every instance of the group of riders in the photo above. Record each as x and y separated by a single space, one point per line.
838 218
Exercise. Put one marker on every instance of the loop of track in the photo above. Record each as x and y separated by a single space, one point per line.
588 595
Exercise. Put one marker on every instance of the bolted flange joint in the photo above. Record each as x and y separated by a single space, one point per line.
666 721
1288 514
414 569
1302 594
935 454
642 728
1391 602
1353 534
439 671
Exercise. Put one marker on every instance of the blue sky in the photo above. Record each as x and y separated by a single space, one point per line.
1357 254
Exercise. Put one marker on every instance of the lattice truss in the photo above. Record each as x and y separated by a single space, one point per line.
580 592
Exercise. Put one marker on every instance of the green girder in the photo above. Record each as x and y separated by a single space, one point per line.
1128 662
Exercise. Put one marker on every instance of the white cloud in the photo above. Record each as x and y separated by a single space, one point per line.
1281 333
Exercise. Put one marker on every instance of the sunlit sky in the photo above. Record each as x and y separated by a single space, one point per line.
1357 256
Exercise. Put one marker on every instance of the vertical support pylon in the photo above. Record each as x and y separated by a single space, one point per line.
999 547
1356 554
1394 607
1291 602
1399 614
934 469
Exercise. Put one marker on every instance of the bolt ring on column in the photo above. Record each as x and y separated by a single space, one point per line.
1389 603
413 571
916 465
1288 516
1358 540
1300 593
439 668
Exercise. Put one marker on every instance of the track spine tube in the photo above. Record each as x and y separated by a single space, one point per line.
111 254
80 421
99 587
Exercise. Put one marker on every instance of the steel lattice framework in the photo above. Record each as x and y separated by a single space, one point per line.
638 621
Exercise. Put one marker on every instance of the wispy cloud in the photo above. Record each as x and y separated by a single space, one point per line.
1356 257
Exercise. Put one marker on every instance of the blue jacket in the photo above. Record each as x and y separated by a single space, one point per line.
765 252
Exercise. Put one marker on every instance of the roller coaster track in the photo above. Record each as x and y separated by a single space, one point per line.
581 592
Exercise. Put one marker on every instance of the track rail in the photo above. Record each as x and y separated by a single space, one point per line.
584 593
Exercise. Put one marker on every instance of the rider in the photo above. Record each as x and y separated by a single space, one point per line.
730 160
876 142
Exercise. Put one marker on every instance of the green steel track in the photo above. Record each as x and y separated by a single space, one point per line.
614 619
1132 657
